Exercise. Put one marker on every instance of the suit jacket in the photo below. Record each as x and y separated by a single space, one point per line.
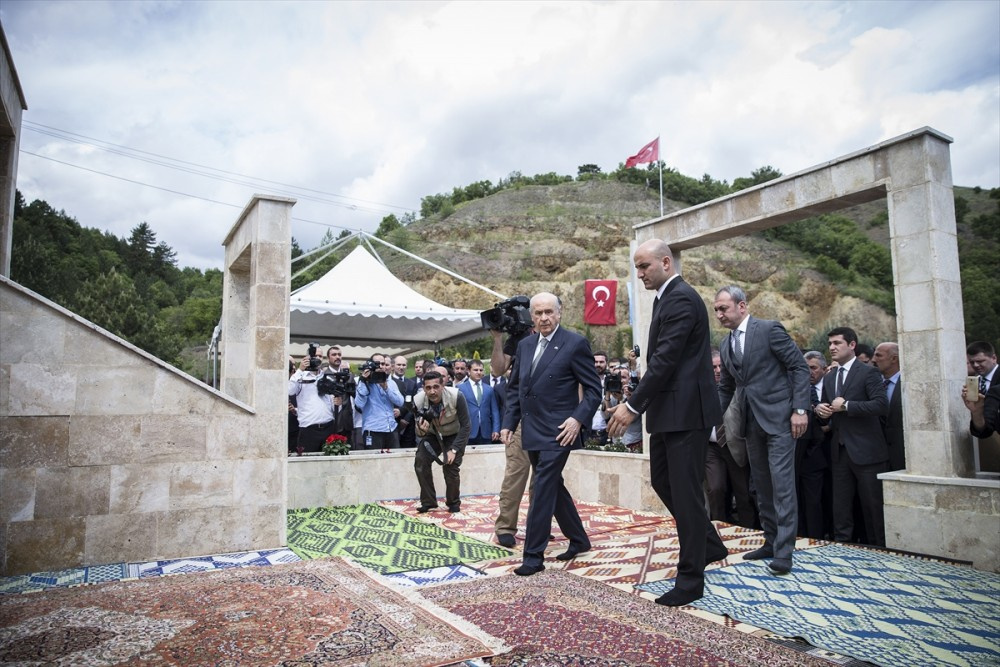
859 429
892 428
991 413
500 392
773 377
407 387
485 416
542 400
677 392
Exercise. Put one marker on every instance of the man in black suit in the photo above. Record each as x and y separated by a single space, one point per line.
886 360
544 398
764 371
407 387
854 401
812 458
678 396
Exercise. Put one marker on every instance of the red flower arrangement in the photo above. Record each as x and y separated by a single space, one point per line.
336 445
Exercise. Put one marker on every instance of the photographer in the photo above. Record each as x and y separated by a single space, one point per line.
320 412
376 398
442 432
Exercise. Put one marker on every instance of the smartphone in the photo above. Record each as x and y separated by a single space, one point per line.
972 388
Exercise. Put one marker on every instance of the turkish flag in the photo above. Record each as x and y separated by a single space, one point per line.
648 153
599 301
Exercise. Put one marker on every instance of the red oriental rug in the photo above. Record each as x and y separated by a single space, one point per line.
556 618
322 612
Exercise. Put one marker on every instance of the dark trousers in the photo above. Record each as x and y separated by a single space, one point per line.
848 478
676 471
550 499
312 438
380 440
423 465
721 472
810 471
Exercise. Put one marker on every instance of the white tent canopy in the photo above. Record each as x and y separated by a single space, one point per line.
359 302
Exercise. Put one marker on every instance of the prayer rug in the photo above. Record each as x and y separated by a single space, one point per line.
325 612
76 576
555 618
478 516
157 568
434 575
887 609
381 539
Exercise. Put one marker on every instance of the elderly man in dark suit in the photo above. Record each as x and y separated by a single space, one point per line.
544 397
768 375
886 360
854 401
678 396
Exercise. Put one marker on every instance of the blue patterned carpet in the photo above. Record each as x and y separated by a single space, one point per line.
886 609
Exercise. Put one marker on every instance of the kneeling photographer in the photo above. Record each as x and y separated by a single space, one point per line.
322 401
443 427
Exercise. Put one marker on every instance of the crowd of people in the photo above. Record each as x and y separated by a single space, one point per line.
755 432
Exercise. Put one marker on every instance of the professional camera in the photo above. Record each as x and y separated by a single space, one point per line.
340 383
378 376
429 412
314 361
512 316
613 383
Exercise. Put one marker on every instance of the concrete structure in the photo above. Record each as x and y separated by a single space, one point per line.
11 105
108 454
936 506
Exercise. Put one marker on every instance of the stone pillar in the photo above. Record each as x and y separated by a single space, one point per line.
255 306
11 105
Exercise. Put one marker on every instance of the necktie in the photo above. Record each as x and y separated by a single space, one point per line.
656 302
886 382
815 398
840 380
542 342
479 393
982 384
737 348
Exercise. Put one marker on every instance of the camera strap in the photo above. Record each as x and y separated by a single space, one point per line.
437 456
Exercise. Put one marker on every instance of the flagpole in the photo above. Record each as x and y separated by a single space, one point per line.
660 162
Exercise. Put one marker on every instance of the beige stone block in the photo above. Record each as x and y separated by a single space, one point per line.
17 494
747 205
921 209
196 532
272 306
346 487
105 440
608 485
914 529
172 395
973 536
120 537
202 484
274 222
30 442
25 334
116 391
167 438
270 351
231 437
262 527
814 187
938 155
908 163
274 268
271 391
918 306
909 494
236 387
72 492
852 176
140 488
88 346
975 499
938 453
37 389
259 481
44 545
778 198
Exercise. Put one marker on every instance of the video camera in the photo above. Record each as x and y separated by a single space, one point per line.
378 376
613 382
339 383
314 361
512 316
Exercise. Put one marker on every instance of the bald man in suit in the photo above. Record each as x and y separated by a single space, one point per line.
544 398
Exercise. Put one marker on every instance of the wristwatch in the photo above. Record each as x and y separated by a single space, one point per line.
799 411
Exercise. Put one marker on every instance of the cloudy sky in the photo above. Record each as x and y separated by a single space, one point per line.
360 109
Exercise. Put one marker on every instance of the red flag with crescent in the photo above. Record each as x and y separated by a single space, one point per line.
648 153
599 301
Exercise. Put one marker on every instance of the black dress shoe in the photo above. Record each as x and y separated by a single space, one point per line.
573 552
759 554
424 509
779 566
454 509
506 540
528 570
676 598
716 556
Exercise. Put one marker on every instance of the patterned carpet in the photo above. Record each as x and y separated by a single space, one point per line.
381 539
887 609
560 619
325 612
480 512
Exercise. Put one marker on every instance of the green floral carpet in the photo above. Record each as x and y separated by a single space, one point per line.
381 539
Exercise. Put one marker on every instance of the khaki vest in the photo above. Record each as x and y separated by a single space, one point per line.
447 424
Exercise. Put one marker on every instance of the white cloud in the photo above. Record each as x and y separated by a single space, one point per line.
391 101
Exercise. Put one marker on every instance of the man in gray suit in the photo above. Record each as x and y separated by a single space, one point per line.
544 397
767 373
